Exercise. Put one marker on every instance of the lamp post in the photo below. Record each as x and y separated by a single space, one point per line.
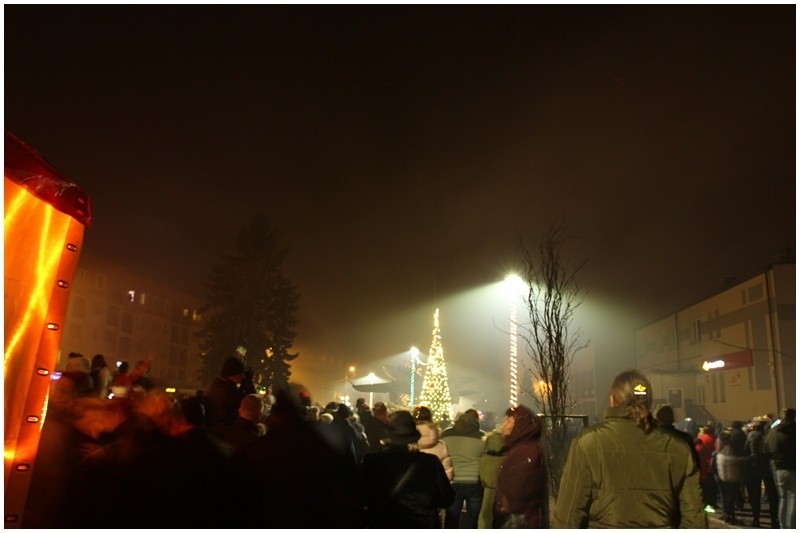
414 360
514 286
371 377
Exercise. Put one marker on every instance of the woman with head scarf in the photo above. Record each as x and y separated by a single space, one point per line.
521 495
623 474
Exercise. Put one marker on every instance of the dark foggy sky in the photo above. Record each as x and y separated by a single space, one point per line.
402 152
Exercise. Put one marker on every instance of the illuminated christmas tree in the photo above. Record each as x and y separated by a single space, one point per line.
435 389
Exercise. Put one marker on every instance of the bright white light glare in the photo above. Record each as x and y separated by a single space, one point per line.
514 285
709 365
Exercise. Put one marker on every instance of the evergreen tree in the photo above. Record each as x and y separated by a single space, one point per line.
435 388
251 308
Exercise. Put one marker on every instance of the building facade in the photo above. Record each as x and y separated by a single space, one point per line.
729 357
126 317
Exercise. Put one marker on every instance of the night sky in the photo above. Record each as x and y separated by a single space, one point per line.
404 153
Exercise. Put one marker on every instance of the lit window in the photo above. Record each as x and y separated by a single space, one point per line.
142 299
132 296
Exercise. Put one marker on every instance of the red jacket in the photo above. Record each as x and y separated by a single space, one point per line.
522 478
704 444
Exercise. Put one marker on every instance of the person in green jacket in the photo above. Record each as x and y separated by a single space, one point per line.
623 474
487 473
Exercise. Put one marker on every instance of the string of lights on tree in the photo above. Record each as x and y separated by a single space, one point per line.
435 389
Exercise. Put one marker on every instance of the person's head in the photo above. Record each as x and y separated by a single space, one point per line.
632 392
76 362
521 423
313 413
665 416
402 429
251 408
473 413
124 367
326 418
423 414
342 412
361 404
193 411
99 361
232 369
508 422
789 414
380 410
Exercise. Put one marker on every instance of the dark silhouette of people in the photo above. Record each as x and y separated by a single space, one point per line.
291 478
404 489
223 396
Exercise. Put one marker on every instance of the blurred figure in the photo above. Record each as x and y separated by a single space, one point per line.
465 442
353 450
429 442
759 473
781 444
704 446
77 369
520 501
623 474
487 473
313 414
246 427
404 489
376 426
223 397
665 418
291 478
77 423
130 482
101 376
730 469
363 411
247 386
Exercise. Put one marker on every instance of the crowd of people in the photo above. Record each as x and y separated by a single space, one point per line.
228 457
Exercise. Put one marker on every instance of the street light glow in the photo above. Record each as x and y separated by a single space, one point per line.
515 288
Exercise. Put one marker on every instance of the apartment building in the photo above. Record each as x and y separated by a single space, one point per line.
730 356
125 317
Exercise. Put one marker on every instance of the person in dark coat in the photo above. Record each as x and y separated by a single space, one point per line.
291 477
781 444
521 495
759 473
404 489
223 397
665 416
245 429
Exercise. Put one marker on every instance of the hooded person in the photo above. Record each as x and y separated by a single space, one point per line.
404 488
520 500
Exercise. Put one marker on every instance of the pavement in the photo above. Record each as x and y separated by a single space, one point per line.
745 516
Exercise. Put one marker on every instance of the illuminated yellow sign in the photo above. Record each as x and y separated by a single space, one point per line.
640 389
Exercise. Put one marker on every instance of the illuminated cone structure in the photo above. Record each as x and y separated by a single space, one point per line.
435 390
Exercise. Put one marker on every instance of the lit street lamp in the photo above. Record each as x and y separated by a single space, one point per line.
371 377
515 287
414 360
